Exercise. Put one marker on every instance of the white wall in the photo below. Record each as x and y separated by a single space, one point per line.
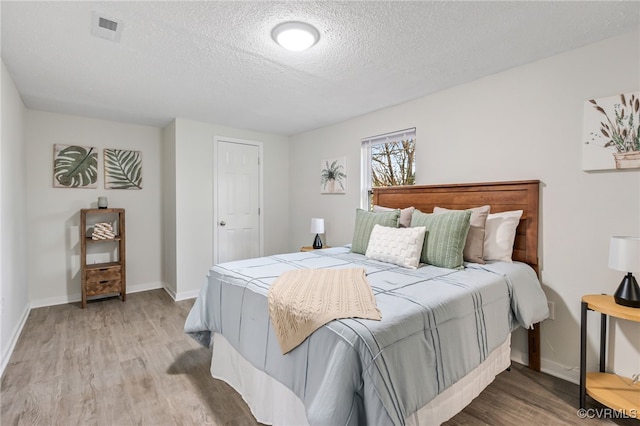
169 208
53 213
525 123
194 197
14 302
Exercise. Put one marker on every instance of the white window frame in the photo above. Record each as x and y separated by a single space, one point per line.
365 156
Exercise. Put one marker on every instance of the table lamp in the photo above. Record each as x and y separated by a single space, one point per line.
317 227
624 255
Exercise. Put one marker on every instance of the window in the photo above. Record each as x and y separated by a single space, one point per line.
387 160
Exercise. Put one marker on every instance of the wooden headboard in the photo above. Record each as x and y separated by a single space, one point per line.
501 196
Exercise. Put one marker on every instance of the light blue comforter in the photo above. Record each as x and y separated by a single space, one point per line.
437 325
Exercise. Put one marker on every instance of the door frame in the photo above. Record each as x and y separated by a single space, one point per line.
214 239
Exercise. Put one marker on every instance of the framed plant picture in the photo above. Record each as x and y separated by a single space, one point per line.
75 166
611 132
333 176
122 169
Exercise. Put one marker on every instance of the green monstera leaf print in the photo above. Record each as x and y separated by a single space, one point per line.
75 166
122 169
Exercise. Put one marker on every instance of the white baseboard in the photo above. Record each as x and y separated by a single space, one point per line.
171 292
187 295
144 287
14 339
76 297
570 374
192 294
52 301
72 298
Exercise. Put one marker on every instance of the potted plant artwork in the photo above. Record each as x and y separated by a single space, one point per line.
333 177
619 129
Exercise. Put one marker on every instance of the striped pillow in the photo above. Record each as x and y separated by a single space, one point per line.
365 221
474 247
445 239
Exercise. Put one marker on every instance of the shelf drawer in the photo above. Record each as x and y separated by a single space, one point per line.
103 287
103 274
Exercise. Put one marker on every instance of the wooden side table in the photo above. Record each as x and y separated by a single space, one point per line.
609 389
310 248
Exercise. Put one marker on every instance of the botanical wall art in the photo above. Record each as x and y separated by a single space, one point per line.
75 166
611 135
333 176
122 169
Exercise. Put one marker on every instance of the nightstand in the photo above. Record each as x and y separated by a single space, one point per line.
309 248
609 389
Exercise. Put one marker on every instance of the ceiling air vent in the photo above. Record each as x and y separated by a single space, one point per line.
104 27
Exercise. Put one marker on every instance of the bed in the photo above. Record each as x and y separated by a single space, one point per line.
433 351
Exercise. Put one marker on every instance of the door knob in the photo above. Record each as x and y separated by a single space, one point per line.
223 223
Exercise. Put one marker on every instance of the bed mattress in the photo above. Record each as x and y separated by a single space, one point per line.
437 326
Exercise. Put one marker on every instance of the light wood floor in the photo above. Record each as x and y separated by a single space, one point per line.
118 363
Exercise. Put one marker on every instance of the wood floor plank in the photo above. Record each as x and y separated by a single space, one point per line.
130 363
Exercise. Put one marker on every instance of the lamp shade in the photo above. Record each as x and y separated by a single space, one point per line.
317 226
624 254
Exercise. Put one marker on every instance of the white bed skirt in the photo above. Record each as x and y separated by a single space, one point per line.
273 403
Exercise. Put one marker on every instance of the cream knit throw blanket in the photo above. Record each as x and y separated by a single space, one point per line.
302 300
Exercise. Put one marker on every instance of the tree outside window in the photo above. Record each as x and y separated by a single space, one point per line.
393 163
388 160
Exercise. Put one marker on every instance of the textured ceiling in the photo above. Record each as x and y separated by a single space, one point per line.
216 62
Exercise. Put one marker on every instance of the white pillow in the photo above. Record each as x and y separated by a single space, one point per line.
499 235
400 246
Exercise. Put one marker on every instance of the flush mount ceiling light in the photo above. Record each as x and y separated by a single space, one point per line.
295 36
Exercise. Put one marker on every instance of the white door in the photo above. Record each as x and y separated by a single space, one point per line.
237 200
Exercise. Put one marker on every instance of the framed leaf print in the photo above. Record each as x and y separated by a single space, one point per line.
75 166
122 169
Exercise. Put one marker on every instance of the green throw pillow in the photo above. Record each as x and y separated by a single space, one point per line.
365 221
446 236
